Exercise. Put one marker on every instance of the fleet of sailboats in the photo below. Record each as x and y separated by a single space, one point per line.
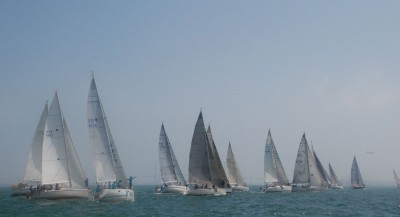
171 174
53 170
112 183
356 178
275 176
235 177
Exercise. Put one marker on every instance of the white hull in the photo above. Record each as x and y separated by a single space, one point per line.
207 191
65 193
115 195
174 189
240 188
20 192
278 188
228 190
337 187
308 188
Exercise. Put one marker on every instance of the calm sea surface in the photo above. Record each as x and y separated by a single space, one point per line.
347 202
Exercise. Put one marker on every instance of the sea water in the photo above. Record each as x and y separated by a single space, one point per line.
347 202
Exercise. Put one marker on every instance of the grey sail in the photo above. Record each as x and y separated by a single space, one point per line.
33 171
315 174
301 170
356 179
326 180
396 179
169 167
199 164
236 177
108 166
334 178
273 169
217 170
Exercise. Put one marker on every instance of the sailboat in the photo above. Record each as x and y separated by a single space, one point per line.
62 175
356 179
234 175
171 174
112 183
217 170
396 179
275 176
33 171
336 184
306 175
201 161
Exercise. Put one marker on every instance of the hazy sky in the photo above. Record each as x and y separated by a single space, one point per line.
327 68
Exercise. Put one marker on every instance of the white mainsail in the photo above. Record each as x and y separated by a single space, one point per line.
217 170
334 178
273 169
235 176
60 162
169 167
356 179
33 171
396 179
199 163
107 163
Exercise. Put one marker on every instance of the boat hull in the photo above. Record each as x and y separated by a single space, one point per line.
278 188
337 187
115 195
20 192
67 193
357 187
240 188
207 191
308 188
173 189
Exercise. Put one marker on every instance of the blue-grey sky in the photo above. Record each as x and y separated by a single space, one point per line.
327 68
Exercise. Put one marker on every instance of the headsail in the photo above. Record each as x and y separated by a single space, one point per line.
33 171
326 180
108 165
235 176
334 178
169 167
199 164
217 170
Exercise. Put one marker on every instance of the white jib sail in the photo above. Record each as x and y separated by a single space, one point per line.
33 171
234 173
334 178
270 171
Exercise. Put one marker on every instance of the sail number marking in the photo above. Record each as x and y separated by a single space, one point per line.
92 122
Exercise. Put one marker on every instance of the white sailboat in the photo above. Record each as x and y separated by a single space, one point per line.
62 173
171 174
200 163
336 184
396 179
33 170
306 175
234 175
220 179
356 179
112 183
275 176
